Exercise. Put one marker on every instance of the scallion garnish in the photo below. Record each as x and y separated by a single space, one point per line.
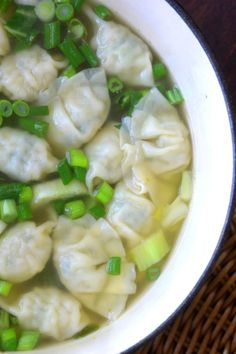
174 96
25 43
13 320
64 12
77 158
152 273
8 210
104 193
26 194
89 55
1 120
39 111
103 12
80 173
77 29
22 22
5 288
113 266
36 127
5 109
59 206
5 5
28 340
45 10
162 87
75 209
69 71
10 190
24 212
52 35
8 339
65 172
72 53
87 330
115 85
98 211
21 108
77 4
4 319
159 71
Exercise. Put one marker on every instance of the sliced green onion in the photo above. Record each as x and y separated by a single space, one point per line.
113 266
28 340
59 206
22 22
10 190
174 96
8 339
8 210
5 288
69 71
4 319
36 127
75 209
150 251
80 173
24 212
26 194
65 171
45 10
87 330
162 87
104 193
89 55
123 100
77 158
115 85
13 320
72 53
52 35
153 273
77 4
135 97
98 211
174 214
46 192
5 108
1 120
103 12
159 71
25 43
39 111
64 12
5 5
90 202
185 191
77 29
118 126
21 108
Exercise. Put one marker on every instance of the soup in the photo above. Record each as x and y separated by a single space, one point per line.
95 169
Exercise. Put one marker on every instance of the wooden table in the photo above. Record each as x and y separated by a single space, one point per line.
217 21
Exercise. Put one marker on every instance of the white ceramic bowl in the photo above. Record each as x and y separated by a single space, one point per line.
169 33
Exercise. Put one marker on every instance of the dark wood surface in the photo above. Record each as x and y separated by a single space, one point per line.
217 21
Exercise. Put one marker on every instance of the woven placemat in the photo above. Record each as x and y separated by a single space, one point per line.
208 324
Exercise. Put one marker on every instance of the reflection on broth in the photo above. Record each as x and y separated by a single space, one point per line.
95 164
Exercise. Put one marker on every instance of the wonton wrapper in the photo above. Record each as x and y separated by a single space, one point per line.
25 157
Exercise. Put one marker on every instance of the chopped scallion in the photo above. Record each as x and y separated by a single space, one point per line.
28 340
59 206
77 29
64 12
39 111
153 273
45 10
87 330
89 55
118 125
75 209
10 190
174 96
77 4
103 12
5 288
77 158
150 251
98 211
4 319
52 35
72 53
26 194
162 87
22 22
113 266
65 172
8 210
159 71
69 71
104 193
8 339
24 212
1 120
115 85
5 108
13 320
36 127
21 108
25 43
5 5
80 173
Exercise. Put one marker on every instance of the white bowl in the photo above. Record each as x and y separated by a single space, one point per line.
170 33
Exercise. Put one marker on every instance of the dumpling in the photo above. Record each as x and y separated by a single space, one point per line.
105 156
121 52
155 137
4 41
109 306
24 251
25 157
80 258
131 215
24 74
53 312
79 110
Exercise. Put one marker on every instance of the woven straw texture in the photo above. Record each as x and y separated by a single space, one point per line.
208 324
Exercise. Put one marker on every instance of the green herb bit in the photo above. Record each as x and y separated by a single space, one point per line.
175 96
87 330
4 6
118 126
26 194
5 288
45 10
36 127
77 158
69 71
25 43
28 340
64 12
103 12
80 173
39 111
8 339
159 71
113 266
104 193
77 29
24 212
6 109
153 273
89 55
77 4
98 211
75 209
52 35
115 85
72 53
4 319
8 210
65 172
59 206
21 108
1 121
10 190
13 320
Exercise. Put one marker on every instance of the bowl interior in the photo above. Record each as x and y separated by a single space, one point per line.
206 111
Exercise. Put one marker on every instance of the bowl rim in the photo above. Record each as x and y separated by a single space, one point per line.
230 110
